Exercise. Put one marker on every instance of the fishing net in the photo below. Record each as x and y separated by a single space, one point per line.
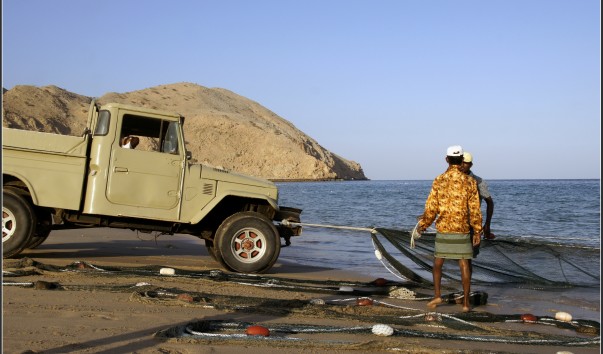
525 262
354 308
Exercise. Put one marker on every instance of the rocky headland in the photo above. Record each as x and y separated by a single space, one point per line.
222 129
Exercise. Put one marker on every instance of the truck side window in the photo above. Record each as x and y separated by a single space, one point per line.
102 126
154 134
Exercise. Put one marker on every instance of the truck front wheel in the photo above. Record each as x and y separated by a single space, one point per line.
18 223
247 242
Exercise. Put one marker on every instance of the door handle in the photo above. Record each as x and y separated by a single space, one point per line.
120 169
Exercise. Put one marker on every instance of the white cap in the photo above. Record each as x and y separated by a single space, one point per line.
467 157
454 150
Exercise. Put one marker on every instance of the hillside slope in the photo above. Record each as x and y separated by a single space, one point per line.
221 128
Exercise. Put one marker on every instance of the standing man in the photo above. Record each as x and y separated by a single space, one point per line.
454 200
482 188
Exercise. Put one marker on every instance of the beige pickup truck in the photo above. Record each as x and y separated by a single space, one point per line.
130 169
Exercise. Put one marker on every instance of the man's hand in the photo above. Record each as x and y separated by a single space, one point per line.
477 239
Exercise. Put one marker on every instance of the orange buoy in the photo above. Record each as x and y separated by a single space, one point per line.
528 317
257 331
364 301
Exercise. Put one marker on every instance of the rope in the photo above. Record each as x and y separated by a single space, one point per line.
216 329
289 223
414 235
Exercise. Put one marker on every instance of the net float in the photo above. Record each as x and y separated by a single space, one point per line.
380 282
528 317
257 331
346 289
382 330
167 271
185 298
563 316
363 301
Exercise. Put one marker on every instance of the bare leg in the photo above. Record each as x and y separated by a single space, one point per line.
437 281
465 265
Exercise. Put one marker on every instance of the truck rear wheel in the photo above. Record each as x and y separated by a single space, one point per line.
18 223
247 242
37 239
42 231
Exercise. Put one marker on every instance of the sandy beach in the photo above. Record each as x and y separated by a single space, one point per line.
102 291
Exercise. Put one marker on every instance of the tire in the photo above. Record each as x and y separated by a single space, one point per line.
42 230
38 239
215 254
211 249
18 223
248 242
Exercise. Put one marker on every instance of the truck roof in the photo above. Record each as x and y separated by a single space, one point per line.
141 109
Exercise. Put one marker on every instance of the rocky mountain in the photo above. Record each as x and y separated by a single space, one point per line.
222 129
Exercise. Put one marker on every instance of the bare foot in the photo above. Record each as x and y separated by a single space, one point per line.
435 302
466 308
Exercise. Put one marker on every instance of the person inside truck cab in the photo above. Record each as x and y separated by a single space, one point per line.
129 142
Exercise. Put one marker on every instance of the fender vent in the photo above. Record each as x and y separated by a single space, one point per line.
208 189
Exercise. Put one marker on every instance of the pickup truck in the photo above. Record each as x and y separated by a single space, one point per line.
54 181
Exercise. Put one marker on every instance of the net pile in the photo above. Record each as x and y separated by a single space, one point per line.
527 262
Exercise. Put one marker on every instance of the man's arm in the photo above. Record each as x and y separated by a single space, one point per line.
430 212
489 212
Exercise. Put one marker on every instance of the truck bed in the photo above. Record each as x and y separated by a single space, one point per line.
53 166
44 142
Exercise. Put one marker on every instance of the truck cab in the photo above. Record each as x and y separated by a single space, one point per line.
131 169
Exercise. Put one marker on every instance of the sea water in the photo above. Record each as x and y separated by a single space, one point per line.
567 212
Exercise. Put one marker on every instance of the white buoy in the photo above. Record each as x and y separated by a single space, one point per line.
317 302
378 254
167 271
564 352
563 316
142 284
383 330
346 289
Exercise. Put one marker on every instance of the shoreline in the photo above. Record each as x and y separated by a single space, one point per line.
318 180
102 312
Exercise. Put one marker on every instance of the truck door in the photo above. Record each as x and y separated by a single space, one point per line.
146 167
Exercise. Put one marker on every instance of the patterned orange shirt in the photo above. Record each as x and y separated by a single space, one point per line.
454 199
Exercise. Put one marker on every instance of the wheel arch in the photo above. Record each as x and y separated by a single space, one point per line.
21 185
227 206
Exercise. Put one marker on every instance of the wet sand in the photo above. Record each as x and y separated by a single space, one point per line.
96 313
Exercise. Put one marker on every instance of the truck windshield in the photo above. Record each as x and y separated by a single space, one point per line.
170 142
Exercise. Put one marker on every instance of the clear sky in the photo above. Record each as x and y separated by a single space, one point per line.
389 84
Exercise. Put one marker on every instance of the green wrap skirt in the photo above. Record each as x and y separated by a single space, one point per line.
453 246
